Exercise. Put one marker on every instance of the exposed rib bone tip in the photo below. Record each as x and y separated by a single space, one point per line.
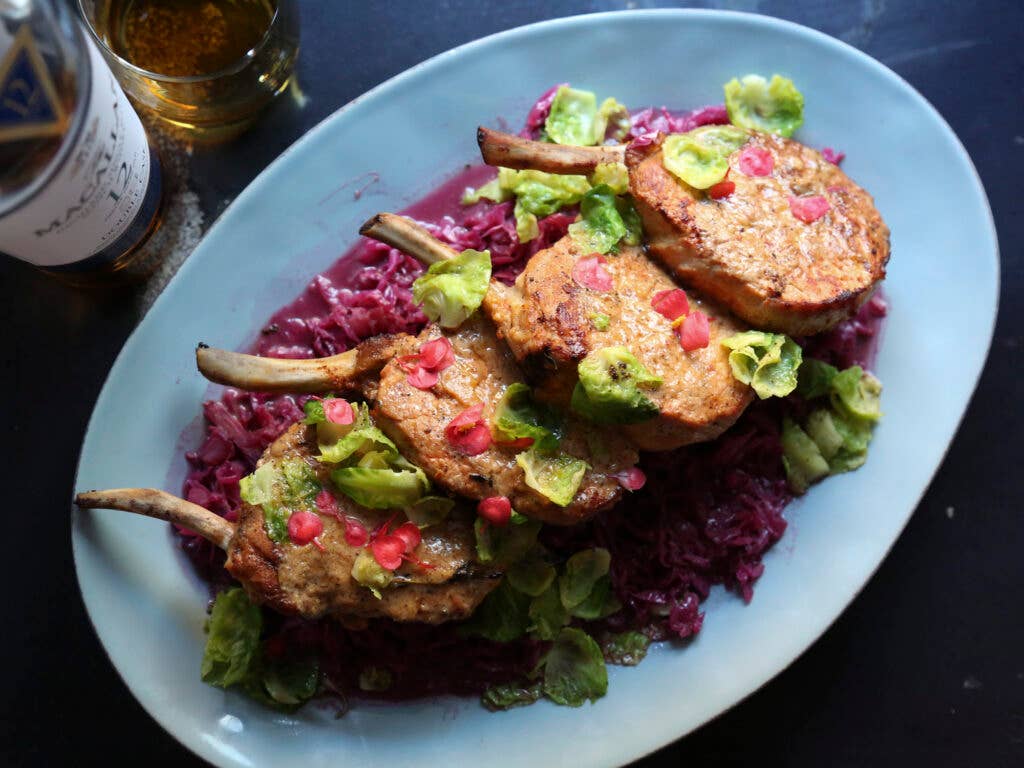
315 375
407 236
161 505
511 151
370 224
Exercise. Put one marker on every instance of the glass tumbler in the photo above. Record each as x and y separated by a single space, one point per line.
211 106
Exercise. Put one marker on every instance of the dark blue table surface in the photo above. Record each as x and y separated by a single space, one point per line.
924 668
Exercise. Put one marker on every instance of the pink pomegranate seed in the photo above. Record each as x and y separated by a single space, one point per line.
356 534
303 527
468 433
475 441
409 533
721 189
437 354
632 479
423 367
496 510
832 155
422 378
671 304
590 273
387 551
756 161
327 504
338 411
408 363
695 332
809 209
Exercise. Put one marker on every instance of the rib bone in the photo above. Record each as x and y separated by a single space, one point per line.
408 237
162 506
508 151
411 238
324 374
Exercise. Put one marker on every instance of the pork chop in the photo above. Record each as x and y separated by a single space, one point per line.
750 252
483 369
312 583
548 321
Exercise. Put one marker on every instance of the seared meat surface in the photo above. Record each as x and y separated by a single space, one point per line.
547 321
748 250
313 583
416 418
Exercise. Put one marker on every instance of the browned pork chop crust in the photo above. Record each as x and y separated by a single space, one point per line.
311 583
749 252
546 319
415 419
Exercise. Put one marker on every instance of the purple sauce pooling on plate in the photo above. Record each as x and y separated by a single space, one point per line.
706 516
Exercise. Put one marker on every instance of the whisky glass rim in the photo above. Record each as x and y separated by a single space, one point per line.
237 66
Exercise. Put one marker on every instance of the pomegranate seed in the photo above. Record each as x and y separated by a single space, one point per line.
671 304
809 209
756 161
338 411
590 273
327 504
422 378
409 533
475 441
303 527
832 156
468 433
632 479
695 332
467 418
408 363
496 510
423 367
383 527
387 551
437 354
356 534
721 189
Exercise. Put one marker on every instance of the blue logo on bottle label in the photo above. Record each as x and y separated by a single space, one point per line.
29 105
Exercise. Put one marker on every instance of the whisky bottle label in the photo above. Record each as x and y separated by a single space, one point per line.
30 107
99 186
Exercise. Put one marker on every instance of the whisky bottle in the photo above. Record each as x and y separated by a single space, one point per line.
80 185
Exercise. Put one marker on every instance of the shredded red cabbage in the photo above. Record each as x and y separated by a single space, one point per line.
652 120
539 112
706 515
492 226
